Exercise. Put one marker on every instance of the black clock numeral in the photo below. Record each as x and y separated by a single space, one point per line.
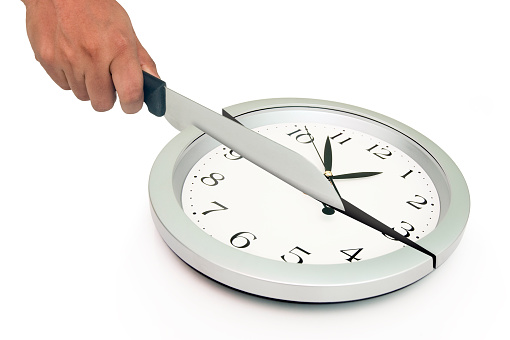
418 204
232 155
212 179
352 256
222 207
294 255
404 230
407 174
242 239
343 141
303 138
380 152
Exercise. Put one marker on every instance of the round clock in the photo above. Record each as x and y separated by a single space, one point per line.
245 228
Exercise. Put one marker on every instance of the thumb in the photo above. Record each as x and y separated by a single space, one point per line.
148 65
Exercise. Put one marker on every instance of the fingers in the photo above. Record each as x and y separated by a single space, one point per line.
127 78
61 80
100 89
41 36
57 75
76 81
146 62
99 84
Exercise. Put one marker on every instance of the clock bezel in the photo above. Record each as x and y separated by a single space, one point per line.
303 282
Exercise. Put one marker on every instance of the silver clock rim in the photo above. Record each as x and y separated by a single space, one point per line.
304 283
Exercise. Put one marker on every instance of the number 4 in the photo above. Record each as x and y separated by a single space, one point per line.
352 256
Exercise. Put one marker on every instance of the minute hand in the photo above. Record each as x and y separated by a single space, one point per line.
281 162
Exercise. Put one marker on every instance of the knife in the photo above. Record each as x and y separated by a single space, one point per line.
276 159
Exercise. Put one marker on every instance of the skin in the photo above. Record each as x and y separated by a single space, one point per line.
90 47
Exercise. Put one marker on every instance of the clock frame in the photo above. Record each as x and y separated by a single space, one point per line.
307 282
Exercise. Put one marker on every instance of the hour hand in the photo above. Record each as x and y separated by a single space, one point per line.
328 158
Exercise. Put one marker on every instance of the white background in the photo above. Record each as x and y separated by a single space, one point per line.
79 255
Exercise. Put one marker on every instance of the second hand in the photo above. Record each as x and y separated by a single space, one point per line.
313 143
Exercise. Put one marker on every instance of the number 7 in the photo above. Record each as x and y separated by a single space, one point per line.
222 207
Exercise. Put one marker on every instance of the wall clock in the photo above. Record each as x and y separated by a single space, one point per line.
246 229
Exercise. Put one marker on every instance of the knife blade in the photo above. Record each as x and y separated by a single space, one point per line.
276 159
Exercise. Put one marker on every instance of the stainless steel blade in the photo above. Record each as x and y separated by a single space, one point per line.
278 160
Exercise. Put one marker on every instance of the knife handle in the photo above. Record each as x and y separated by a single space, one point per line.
154 94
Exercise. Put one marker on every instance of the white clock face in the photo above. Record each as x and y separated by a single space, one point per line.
244 207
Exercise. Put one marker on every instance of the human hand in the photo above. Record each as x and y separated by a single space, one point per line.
90 47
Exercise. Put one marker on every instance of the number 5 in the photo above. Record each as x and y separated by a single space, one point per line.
300 260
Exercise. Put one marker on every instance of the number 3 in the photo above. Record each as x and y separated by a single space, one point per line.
407 231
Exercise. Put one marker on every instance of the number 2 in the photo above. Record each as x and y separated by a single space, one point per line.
418 204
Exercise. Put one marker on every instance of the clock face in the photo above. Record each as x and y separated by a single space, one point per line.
246 208
245 228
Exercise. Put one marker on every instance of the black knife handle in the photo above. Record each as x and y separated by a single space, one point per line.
154 94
